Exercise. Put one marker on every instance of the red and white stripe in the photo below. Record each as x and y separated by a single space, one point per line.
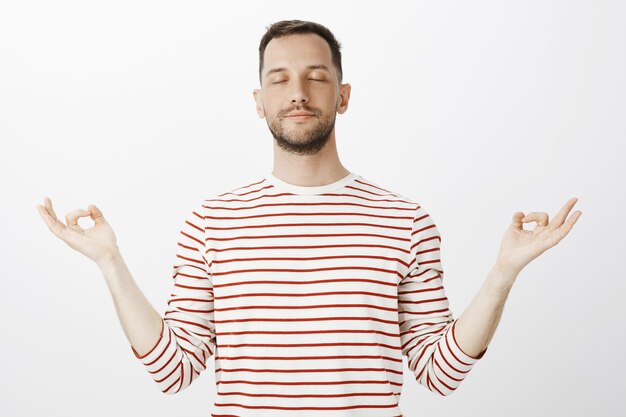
308 302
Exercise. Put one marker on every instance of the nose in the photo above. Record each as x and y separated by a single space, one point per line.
299 93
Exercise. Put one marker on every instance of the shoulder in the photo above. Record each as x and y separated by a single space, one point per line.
232 197
412 206
238 192
387 193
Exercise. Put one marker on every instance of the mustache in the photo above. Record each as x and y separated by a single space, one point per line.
299 108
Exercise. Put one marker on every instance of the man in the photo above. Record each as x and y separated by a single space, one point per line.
309 284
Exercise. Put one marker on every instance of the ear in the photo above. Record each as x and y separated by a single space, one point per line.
344 98
259 102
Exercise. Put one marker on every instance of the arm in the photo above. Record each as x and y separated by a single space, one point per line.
141 323
427 325
478 323
174 349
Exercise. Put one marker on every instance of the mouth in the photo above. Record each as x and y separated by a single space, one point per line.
300 117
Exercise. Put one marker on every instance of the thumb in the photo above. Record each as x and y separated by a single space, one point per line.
518 217
95 214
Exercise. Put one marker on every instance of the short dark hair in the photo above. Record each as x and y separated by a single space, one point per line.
289 27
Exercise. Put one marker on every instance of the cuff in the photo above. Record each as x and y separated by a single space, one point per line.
451 360
156 354
462 356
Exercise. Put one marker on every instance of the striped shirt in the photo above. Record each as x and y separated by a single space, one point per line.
308 298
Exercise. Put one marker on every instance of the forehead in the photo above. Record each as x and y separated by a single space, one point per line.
297 50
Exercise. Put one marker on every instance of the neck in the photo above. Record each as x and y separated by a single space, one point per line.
309 170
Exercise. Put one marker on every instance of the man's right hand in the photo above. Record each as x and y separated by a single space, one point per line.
98 243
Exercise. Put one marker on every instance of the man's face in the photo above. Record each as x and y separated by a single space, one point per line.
298 76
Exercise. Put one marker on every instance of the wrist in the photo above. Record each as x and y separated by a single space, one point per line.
110 259
503 276
506 268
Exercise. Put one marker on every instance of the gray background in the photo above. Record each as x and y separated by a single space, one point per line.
475 109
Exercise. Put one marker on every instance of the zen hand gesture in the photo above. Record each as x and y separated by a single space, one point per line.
97 243
520 246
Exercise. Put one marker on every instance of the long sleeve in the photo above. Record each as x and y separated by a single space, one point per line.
187 337
426 321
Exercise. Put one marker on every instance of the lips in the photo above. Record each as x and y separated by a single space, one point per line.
302 118
299 113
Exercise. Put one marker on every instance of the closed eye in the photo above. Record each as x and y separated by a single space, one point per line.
312 79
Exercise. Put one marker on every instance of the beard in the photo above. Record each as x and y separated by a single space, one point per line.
302 139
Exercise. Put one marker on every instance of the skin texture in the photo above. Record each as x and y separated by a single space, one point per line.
476 326
305 151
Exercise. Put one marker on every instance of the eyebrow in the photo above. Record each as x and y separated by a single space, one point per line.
319 66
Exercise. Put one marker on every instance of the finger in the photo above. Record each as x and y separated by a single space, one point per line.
562 231
540 218
571 221
560 217
71 218
517 220
55 226
96 214
48 204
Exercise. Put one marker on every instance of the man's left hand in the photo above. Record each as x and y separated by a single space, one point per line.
520 246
